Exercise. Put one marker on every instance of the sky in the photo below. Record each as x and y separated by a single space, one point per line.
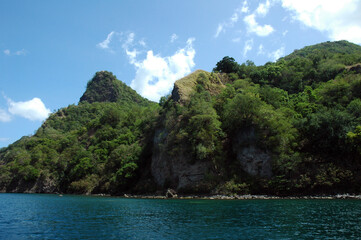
49 50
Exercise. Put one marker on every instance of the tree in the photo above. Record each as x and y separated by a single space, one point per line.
227 65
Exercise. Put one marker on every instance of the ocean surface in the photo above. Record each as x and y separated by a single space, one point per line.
40 216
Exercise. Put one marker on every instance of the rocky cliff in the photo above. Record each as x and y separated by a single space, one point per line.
176 171
173 163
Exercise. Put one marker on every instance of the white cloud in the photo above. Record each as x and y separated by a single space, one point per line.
236 40
33 110
173 37
155 75
132 55
219 29
4 116
275 55
285 33
263 8
105 43
250 20
20 52
17 53
111 43
254 27
4 139
261 50
142 43
340 19
244 8
129 41
232 20
247 47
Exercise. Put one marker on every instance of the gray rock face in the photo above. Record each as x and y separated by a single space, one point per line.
177 172
175 94
253 159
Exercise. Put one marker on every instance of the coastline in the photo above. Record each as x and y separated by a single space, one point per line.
210 197
243 197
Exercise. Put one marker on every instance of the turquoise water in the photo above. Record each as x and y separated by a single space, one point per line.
38 216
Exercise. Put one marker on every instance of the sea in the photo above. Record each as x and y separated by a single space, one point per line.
47 216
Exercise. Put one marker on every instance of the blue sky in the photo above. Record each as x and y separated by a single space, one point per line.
49 50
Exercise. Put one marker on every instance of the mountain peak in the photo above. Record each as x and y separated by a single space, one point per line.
105 87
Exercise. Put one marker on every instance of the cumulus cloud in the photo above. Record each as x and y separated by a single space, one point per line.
7 52
244 8
105 43
33 110
254 27
247 47
173 37
132 54
263 8
4 116
275 55
155 75
340 19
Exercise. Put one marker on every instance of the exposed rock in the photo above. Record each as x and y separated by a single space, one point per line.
171 193
177 171
45 185
184 87
253 159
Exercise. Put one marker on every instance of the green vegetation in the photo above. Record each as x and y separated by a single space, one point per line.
104 87
306 111
93 147
302 114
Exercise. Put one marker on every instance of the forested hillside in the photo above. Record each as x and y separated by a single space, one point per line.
289 127
98 145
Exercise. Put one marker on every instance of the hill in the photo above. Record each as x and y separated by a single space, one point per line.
291 127
337 49
104 87
91 147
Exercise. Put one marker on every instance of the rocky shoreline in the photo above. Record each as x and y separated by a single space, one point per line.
243 197
173 195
